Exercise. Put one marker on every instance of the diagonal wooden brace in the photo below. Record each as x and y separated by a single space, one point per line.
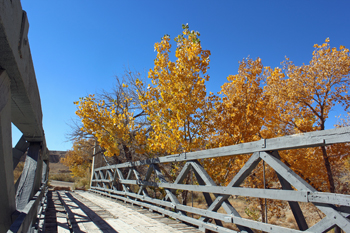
290 176
222 199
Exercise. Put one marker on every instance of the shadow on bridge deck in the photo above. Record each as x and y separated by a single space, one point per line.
82 218
87 212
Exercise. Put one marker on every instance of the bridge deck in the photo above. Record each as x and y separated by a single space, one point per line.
87 212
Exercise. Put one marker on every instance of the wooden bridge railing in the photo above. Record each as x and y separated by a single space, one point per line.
19 104
336 207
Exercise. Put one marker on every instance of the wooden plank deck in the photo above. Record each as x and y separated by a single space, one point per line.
55 215
87 212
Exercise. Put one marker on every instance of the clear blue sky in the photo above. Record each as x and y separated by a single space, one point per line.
79 46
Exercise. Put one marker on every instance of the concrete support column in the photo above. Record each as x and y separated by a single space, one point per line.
7 188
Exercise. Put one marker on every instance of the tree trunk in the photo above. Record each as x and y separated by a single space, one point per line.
330 178
184 197
185 192
127 153
262 206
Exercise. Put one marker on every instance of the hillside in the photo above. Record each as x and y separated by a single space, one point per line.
55 155
55 165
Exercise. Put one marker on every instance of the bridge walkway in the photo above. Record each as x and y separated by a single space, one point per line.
81 211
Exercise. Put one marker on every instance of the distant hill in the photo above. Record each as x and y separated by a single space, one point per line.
55 166
55 155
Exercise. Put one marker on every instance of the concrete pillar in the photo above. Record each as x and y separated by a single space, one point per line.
7 188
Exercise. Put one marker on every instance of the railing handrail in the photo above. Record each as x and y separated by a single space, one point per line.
25 218
105 178
296 141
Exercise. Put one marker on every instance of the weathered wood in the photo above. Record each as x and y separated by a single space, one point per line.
300 184
236 181
310 139
120 174
30 176
203 178
138 177
16 59
55 215
298 214
210 214
7 189
183 173
324 225
19 104
19 150
147 177
284 195
45 171
162 179
29 213
107 214
337 216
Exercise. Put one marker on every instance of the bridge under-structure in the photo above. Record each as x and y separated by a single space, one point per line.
120 199
19 104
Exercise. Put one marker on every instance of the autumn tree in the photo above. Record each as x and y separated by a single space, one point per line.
262 102
340 159
79 158
116 120
308 92
242 114
239 116
176 102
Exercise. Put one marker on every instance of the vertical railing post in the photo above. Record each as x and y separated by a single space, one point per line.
7 188
93 163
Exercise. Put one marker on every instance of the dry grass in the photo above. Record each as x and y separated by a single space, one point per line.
18 171
67 177
58 168
82 183
247 210
60 172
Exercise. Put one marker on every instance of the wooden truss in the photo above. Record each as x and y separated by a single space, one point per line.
334 206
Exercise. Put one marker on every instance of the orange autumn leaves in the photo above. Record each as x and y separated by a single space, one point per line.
258 102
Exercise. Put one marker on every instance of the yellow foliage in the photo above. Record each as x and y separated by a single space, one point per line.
308 92
176 101
241 112
258 102
79 158
110 127
303 97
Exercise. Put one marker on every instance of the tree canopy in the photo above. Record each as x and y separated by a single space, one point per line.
172 112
